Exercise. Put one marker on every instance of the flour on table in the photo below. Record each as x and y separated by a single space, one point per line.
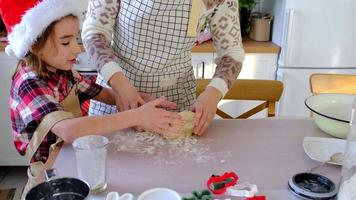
165 151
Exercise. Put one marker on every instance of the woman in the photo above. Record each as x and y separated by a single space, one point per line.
145 46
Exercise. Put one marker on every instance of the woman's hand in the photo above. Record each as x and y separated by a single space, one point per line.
157 120
166 104
126 95
205 109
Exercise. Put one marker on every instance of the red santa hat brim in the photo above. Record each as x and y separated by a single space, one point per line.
35 21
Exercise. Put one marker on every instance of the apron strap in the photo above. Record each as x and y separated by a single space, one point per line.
43 128
193 18
71 103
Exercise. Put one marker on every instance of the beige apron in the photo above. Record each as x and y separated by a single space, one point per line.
72 109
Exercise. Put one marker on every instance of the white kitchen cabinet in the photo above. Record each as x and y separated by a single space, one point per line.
8 154
255 66
203 65
259 66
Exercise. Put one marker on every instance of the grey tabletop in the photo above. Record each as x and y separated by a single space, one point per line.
266 152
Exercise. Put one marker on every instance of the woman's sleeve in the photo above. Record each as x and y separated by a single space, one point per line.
225 30
97 35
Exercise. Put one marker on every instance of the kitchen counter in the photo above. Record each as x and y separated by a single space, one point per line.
250 46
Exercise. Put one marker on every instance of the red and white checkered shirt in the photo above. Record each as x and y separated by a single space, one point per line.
32 98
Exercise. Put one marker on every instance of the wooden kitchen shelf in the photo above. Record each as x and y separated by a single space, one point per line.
250 46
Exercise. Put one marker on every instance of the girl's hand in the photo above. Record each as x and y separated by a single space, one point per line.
158 120
166 104
205 109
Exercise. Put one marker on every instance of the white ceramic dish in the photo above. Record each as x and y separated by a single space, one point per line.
159 194
320 149
332 112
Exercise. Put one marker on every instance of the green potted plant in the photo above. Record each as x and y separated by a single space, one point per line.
245 9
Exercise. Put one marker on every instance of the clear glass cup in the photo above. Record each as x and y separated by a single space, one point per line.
347 189
90 153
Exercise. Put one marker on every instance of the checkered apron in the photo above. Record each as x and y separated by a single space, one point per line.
151 45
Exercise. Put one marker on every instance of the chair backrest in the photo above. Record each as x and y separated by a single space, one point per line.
333 83
268 91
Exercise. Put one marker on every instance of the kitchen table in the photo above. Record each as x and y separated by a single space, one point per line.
266 152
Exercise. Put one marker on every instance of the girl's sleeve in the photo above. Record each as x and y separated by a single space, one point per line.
97 35
88 89
226 35
34 101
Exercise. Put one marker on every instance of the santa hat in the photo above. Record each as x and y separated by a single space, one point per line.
26 20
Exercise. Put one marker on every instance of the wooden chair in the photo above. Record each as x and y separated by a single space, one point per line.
333 83
268 91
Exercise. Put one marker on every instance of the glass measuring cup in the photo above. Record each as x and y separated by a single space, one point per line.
90 153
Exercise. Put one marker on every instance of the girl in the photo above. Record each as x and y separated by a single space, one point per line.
46 92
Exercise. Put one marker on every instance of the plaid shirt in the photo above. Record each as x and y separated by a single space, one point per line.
32 98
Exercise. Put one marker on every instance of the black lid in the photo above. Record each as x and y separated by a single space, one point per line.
312 186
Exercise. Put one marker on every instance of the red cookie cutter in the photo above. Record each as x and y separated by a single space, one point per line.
219 184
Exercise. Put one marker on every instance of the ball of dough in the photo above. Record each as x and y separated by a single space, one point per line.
187 129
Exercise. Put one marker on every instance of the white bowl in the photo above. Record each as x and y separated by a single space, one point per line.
159 194
332 112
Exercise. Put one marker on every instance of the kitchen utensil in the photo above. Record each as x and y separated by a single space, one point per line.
244 189
203 195
159 194
331 112
336 157
312 186
226 184
219 184
116 196
321 148
60 188
90 153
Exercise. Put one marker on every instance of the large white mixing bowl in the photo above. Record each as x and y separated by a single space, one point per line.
332 112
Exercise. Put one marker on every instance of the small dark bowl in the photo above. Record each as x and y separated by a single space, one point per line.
312 186
59 189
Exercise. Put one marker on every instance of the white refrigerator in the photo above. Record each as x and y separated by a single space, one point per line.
316 36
